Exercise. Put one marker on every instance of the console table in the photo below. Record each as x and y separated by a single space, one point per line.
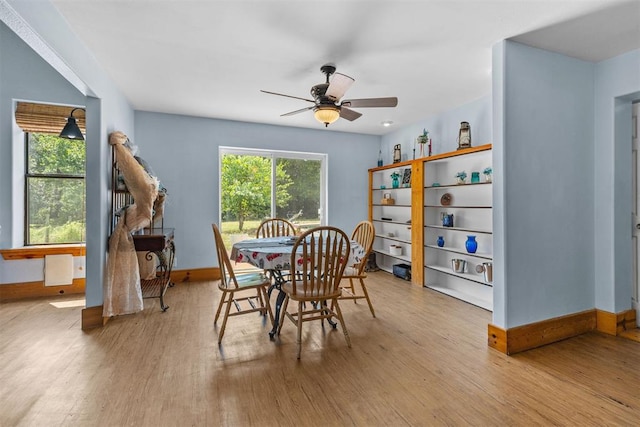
158 241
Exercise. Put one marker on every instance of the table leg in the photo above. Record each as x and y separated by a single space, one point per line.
278 280
276 314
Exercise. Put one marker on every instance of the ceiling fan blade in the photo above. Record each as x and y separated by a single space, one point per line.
371 102
338 86
291 113
349 114
288 96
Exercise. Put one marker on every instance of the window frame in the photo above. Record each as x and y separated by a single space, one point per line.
275 154
28 175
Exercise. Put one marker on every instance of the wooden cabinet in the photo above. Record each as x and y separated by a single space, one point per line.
469 205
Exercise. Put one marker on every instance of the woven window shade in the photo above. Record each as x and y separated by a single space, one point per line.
44 118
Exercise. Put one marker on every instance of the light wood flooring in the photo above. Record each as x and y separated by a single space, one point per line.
423 361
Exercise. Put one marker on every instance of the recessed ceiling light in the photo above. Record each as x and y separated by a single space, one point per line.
387 123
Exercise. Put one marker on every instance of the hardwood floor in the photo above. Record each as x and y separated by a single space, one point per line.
423 360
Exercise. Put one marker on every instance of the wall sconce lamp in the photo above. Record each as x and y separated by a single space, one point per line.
71 129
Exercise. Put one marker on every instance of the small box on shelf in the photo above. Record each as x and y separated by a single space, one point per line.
395 250
388 201
403 271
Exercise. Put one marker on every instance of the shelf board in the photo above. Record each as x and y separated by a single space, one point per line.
471 299
400 206
484 255
382 236
466 276
435 187
390 188
457 207
408 224
386 253
467 230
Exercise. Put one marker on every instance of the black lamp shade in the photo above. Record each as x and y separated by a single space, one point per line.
71 129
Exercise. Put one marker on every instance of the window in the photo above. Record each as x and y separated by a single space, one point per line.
54 190
256 184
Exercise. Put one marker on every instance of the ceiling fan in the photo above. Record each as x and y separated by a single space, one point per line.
327 107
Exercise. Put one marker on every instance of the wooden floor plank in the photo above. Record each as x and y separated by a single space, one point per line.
423 360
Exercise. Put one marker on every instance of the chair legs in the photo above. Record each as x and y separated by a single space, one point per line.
298 320
224 295
350 289
366 295
228 299
229 296
299 336
341 319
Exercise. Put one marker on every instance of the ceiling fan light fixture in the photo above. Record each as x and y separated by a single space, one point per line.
327 114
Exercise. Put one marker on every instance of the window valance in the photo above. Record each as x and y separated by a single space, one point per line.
45 118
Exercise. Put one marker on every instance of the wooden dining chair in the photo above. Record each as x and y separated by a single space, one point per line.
274 227
364 233
235 286
318 259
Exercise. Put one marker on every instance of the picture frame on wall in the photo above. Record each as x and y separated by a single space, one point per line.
406 177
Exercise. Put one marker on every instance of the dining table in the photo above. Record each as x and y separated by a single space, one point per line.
273 254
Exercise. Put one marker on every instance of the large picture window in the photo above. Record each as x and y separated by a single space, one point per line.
55 190
257 184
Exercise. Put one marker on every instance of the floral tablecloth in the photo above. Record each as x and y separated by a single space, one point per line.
274 253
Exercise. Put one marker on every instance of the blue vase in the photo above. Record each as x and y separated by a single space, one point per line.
395 182
440 241
471 244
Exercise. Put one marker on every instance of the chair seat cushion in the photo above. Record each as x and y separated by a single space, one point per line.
248 280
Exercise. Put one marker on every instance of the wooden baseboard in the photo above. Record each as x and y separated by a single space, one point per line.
14 291
526 337
195 275
548 331
92 317
615 323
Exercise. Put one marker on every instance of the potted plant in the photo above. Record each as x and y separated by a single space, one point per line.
461 176
422 140
487 174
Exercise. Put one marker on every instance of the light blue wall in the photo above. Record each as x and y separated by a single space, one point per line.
183 152
500 290
617 83
107 109
23 76
547 185
443 130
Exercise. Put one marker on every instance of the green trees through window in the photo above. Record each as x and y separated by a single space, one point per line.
246 187
256 186
55 190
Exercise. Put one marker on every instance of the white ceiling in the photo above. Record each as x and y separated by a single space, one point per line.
211 58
